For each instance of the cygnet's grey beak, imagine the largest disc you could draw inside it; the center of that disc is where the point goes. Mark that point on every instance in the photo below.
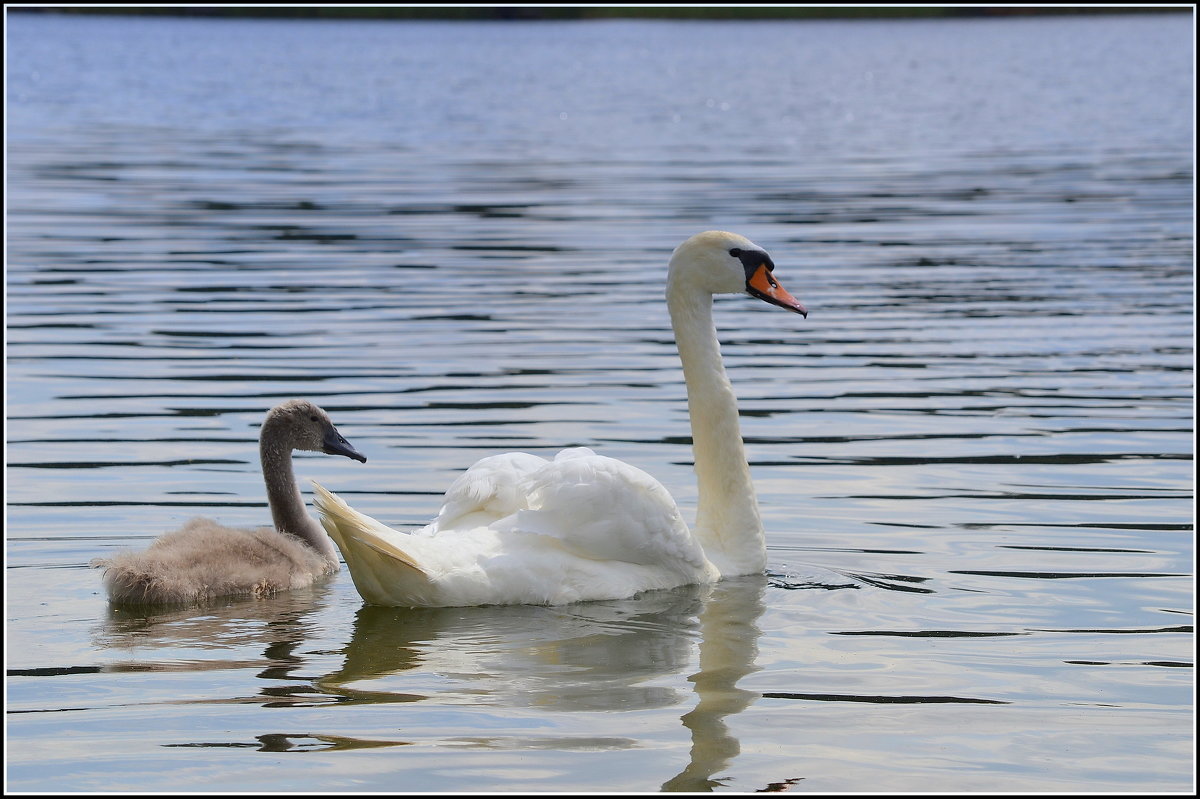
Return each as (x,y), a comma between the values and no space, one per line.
(334,444)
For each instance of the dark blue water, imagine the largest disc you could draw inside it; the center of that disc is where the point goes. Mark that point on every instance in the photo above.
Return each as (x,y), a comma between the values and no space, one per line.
(974,458)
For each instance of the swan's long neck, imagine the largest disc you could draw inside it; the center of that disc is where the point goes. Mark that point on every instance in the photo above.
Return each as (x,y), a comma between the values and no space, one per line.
(727,520)
(283,495)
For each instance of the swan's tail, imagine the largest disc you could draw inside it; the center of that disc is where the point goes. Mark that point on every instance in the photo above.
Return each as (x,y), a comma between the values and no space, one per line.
(384,572)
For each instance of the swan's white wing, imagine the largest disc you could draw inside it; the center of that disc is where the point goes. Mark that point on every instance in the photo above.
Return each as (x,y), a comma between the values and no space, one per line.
(490,487)
(601,509)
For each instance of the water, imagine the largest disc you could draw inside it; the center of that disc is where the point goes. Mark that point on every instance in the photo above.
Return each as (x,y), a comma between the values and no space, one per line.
(974,458)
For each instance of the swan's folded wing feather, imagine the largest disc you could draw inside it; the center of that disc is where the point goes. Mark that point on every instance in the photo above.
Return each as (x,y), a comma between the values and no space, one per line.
(491,487)
(603,509)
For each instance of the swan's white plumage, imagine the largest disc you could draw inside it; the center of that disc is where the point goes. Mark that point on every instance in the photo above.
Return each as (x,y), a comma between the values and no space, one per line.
(490,487)
(582,526)
(519,529)
(600,508)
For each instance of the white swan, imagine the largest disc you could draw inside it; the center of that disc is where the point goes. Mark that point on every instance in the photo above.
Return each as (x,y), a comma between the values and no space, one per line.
(204,559)
(517,529)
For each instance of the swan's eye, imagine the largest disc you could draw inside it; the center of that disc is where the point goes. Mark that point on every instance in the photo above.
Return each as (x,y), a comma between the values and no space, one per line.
(752,260)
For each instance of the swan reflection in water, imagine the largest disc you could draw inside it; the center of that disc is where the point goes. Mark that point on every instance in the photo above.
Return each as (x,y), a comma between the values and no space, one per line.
(598,656)
(617,656)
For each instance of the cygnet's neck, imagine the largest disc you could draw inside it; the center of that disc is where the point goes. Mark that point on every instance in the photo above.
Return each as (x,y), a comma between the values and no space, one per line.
(728,525)
(283,495)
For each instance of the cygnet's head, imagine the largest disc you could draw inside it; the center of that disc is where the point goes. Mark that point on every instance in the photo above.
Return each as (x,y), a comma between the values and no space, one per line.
(299,424)
(718,262)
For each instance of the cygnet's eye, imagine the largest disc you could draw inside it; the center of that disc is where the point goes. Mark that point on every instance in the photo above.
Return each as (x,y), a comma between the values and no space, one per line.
(312,418)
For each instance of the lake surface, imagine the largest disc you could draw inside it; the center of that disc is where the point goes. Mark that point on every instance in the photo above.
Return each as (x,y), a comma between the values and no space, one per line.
(974,458)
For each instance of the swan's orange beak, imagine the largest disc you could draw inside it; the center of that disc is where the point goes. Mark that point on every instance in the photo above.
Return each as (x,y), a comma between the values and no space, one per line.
(762,284)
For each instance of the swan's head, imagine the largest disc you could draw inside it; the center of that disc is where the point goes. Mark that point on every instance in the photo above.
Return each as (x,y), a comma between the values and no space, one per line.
(718,262)
(299,424)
